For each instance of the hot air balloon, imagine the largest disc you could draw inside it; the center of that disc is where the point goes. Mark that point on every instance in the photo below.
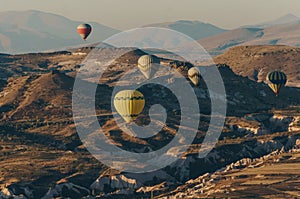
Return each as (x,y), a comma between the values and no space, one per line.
(276,80)
(194,75)
(84,30)
(129,104)
(148,65)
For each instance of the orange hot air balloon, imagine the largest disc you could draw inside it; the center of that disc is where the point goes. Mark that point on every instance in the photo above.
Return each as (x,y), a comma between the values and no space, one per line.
(84,30)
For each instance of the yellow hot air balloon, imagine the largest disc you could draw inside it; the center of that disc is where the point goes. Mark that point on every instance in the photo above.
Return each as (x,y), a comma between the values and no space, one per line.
(148,65)
(129,104)
(194,75)
(276,80)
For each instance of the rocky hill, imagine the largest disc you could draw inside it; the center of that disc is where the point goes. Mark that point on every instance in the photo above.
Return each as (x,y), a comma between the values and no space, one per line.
(255,62)
(43,157)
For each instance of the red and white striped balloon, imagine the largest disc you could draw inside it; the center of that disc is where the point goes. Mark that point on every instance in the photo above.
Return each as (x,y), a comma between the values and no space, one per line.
(84,30)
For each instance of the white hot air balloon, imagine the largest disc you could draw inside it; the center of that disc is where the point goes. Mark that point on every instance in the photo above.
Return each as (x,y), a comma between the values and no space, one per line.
(148,65)
(194,75)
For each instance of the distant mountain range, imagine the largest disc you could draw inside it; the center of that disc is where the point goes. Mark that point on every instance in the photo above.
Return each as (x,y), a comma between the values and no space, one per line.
(194,29)
(283,31)
(36,31)
(286,19)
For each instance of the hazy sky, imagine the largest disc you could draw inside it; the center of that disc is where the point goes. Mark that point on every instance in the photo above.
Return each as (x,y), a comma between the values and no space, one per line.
(126,14)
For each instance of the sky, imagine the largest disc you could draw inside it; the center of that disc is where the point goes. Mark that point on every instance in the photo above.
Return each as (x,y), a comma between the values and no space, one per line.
(127,14)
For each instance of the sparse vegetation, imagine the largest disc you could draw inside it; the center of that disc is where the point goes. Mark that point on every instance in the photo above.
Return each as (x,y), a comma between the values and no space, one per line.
(39,146)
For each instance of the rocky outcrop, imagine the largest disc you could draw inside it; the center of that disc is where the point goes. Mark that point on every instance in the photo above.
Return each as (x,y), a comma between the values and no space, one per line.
(279,123)
(262,124)
(66,189)
(295,124)
(8,194)
(206,184)
(120,181)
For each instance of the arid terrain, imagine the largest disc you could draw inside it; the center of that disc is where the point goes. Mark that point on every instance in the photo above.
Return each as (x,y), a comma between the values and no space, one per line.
(255,62)
(257,154)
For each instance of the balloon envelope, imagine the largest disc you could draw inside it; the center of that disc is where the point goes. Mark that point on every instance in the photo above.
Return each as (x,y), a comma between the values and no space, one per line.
(194,75)
(129,104)
(84,30)
(276,80)
(147,65)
